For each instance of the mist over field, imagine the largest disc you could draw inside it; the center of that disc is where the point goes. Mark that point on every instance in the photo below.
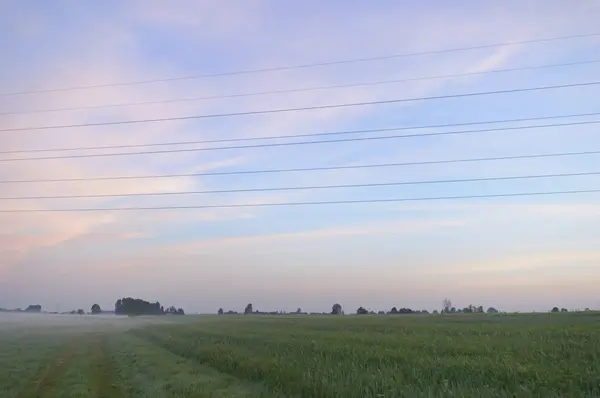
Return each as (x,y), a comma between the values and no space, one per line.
(49,323)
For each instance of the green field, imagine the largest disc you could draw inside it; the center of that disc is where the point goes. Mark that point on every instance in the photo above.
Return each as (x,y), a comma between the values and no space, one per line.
(546,355)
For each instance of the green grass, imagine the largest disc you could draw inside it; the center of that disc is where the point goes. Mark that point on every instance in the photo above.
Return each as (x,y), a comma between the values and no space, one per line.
(546,355)
(24,356)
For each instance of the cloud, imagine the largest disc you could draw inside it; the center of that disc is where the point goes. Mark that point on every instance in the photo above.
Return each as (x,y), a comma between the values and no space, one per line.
(528,262)
(550,210)
(270,240)
(148,40)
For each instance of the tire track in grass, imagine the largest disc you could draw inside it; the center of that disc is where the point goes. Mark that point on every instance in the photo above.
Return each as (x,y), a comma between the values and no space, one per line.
(188,377)
(104,377)
(49,375)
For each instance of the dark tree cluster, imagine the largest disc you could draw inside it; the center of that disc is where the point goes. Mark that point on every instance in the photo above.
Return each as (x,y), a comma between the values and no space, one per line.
(136,306)
(230,312)
(336,309)
(395,311)
(34,308)
(174,311)
(361,311)
(471,309)
(447,308)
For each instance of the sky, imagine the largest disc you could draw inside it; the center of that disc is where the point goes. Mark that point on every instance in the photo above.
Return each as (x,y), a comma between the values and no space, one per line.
(514,253)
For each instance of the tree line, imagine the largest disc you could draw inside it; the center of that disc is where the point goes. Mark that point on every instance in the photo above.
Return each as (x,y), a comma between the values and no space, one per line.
(336,309)
(135,306)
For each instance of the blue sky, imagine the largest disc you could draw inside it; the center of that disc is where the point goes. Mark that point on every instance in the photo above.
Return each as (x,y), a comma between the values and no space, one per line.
(513,253)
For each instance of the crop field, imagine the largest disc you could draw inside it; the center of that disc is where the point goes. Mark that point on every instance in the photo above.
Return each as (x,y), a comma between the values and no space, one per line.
(545,355)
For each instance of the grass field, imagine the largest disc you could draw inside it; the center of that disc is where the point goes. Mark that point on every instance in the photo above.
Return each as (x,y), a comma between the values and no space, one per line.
(546,355)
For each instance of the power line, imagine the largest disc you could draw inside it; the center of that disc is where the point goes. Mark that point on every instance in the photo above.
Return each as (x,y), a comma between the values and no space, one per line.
(301,188)
(281,204)
(305,169)
(303,66)
(307,108)
(419,127)
(284,144)
(296,90)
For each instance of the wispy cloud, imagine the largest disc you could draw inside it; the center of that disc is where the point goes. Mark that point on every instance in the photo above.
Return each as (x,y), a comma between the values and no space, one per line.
(322,234)
(148,40)
(528,262)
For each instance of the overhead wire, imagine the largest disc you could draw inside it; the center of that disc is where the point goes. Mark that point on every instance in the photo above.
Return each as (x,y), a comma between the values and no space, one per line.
(348,132)
(285,144)
(303,66)
(282,204)
(310,187)
(299,109)
(303,169)
(514,194)
(297,90)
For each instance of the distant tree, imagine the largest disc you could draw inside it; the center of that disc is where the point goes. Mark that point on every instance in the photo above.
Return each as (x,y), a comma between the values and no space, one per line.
(220,312)
(435,312)
(299,310)
(492,310)
(446,305)
(248,309)
(381,313)
(80,312)
(405,311)
(174,311)
(96,309)
(587,310)
(336,309)
(135,306)
(453,310)
(34,308)
(459,311)
(467,310)
(361,311)
(480,309)
(424,312)
(555,309)
(394,310)
(564,310)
